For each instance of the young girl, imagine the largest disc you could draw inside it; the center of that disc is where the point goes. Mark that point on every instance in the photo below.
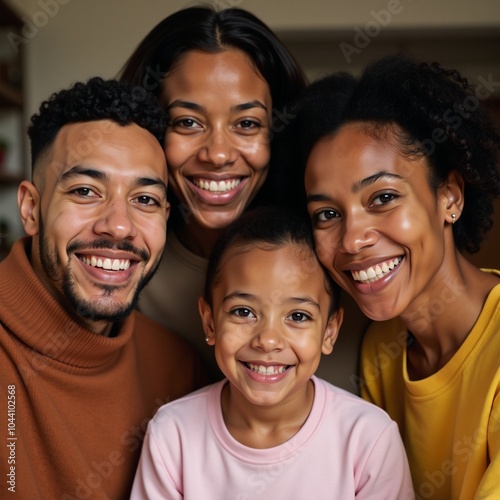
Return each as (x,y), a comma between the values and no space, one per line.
(271,429)
(400,178)
(227,83)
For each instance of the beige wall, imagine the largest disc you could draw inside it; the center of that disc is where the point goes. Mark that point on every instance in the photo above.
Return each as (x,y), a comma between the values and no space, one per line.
(77,39)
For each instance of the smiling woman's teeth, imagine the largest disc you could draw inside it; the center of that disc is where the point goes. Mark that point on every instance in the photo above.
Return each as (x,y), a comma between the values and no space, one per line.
(216,187)
(108,264)
(375,273)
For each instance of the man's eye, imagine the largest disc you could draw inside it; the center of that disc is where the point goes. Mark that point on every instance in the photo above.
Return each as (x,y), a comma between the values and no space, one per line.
(85,192)
(147,200)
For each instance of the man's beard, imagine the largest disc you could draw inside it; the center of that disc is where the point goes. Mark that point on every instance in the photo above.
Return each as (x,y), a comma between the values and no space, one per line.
(104,308)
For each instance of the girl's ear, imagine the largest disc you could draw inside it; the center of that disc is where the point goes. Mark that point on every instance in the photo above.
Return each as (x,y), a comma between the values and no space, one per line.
(28,200)
(332,331)
(453,196)
(207,320)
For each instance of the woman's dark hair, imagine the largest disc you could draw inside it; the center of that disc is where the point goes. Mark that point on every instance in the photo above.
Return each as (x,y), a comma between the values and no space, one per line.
(433,112)
(267,227)
(205,29)
(97,99)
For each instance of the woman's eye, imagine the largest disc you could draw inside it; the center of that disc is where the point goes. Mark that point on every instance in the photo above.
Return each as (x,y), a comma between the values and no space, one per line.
(325,215)
(242,312)
(383,199)
(299,317)
(186,123)
(248,124)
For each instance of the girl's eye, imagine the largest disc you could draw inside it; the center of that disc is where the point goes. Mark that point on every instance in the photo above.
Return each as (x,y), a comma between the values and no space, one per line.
(325,215)
(242,312)
(383,199)
(299,317)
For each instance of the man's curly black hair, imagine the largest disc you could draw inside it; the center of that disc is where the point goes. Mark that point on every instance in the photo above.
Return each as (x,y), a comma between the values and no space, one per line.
(97,99)
(438,114)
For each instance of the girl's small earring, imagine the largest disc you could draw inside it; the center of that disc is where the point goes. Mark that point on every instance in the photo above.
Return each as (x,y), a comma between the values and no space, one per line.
(453,218)
(207,339)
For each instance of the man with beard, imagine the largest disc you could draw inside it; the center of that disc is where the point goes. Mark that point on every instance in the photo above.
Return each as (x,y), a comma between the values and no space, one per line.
(81,372)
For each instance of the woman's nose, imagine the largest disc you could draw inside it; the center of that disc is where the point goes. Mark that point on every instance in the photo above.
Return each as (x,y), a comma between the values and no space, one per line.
(218,149)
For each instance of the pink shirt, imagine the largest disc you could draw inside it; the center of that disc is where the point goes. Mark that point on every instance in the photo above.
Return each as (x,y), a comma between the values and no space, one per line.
(347,448)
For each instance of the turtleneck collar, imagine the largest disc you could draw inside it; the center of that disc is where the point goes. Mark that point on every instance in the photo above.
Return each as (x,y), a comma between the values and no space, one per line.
(41,323)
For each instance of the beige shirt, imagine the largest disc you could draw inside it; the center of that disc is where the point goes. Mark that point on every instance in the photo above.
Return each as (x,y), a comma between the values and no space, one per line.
(171,298)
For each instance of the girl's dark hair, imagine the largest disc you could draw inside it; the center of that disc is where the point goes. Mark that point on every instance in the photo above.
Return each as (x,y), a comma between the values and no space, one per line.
(96,99)
(205,29)
(437,115)
(267,227)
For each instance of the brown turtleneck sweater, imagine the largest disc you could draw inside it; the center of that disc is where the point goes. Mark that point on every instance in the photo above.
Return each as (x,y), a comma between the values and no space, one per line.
(74,405)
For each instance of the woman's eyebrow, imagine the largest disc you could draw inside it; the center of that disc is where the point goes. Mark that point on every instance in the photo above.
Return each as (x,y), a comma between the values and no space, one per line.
(357,186)
(317,197)
(249,105)
(179,103)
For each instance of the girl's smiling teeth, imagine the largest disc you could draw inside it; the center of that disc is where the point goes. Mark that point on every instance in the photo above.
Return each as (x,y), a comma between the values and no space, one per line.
(376,272)
(216,187)
(105,263)
(267,370)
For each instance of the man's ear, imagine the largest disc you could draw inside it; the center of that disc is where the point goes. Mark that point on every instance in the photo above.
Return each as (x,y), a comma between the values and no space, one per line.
(332,331)
(28,200)
(452,194)
(207,320)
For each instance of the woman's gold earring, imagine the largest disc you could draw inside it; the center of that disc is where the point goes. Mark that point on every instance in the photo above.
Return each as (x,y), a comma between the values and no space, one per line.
(453,218)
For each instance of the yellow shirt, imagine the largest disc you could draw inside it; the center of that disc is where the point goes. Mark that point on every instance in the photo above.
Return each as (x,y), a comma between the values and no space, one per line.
(450,421)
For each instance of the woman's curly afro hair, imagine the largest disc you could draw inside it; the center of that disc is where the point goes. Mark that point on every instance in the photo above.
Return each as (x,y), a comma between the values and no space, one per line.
(438,115)
(97,99)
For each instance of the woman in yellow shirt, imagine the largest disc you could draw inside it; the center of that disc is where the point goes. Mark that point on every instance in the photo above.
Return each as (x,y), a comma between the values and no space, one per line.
(400,178)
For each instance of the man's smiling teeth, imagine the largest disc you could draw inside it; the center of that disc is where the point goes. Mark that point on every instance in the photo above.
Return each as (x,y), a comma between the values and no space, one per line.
(216,187)
(108,264)
(375,273)
(267,370)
